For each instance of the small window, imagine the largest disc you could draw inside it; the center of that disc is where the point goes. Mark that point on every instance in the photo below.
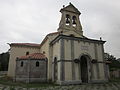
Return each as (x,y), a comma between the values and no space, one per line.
(55,60)
(21,64)
(37,64)
(43,52)
(27,53)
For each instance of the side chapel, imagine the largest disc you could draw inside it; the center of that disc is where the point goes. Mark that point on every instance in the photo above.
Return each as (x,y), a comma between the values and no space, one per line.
(63,57)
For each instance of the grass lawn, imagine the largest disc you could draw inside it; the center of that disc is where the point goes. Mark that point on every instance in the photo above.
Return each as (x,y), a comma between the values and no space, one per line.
(9,82)
(6,81)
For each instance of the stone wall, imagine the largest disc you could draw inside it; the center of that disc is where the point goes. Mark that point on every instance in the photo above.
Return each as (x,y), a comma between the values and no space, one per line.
(115,74)
(17,51)
(2,73)
(29,72)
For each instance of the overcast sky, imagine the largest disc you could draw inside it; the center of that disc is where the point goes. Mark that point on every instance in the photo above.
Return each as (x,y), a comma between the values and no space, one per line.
(28,21)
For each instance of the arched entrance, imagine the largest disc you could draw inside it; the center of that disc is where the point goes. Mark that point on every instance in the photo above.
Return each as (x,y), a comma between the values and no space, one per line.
(84,69)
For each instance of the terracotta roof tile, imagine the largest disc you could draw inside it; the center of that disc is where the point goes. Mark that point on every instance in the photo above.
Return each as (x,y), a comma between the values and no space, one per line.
(33,56)
(33,44)
(26,44)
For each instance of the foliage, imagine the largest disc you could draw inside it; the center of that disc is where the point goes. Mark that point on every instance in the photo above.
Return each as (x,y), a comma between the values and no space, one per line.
(12,88)
(115,64)
(4,59)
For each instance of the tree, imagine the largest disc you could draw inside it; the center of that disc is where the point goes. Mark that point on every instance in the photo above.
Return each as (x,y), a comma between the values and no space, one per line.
(4,59)
(115,64)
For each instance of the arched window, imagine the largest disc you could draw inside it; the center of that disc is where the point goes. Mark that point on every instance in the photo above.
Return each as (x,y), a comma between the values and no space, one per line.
(55,60)
(37,64)
(21,64)
(43,52)
(67,19)
(74,21)
(27,53)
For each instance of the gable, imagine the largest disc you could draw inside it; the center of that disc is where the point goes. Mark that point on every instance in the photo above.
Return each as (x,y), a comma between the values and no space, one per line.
(71,32)
(70,8)
(48,36)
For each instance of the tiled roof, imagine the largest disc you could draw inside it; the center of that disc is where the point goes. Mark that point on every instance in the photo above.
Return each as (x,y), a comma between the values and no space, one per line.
(25,44)
(34,44)
(33,56)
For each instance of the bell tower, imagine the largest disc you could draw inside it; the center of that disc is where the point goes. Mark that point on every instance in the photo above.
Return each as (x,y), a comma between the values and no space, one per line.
(70,20)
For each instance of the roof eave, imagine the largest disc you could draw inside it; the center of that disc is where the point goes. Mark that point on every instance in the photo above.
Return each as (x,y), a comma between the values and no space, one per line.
(75,38)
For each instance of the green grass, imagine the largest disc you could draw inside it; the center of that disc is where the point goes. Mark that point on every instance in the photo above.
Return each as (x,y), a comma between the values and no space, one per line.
(115,80)
(9,82)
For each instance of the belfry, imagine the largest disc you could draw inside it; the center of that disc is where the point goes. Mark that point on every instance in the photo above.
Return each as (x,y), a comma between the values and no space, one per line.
(70,20)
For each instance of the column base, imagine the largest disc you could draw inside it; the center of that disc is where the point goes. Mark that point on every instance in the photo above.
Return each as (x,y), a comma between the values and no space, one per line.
(98,81)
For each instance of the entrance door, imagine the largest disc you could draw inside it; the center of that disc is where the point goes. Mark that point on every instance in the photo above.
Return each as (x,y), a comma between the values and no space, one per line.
(84,69)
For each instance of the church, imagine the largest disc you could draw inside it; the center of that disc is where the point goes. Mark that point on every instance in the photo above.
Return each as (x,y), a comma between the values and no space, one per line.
(63,57)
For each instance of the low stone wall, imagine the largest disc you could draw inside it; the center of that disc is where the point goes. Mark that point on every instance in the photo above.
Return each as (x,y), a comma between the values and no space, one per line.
(30,80)
(115,74)
(3,73)
(29,72)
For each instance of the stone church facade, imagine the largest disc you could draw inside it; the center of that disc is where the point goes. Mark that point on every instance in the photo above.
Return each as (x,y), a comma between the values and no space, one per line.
(69,56)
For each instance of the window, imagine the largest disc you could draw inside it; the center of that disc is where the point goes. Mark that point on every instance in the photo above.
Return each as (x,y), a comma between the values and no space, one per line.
(27,53)
(21,64)
(37,64)
(55,60)
(43,52)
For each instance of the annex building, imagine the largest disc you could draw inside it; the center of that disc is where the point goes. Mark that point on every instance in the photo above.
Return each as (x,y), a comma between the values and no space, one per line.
(63,57)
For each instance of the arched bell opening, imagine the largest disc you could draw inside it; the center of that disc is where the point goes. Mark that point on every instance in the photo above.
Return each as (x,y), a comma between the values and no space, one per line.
(74,24)
(67,19)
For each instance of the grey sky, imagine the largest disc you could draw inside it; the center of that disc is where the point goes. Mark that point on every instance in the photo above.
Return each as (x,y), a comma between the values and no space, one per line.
(30,20)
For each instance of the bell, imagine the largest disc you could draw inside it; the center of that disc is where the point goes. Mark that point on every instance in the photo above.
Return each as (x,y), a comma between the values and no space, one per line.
(74,22)
(67,20)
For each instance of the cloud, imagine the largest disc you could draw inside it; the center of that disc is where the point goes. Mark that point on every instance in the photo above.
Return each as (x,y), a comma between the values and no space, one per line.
(31,20)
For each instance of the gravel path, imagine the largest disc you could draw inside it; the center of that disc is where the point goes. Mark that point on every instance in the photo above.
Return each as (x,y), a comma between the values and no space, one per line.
(109,86)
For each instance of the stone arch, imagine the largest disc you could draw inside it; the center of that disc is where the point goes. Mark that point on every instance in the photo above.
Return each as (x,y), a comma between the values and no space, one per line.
(37,63)
(22,63)
(85,67)
(85,54)
(67,19)
(74,21)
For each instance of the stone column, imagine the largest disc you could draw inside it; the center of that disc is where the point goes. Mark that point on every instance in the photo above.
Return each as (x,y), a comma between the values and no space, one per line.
(97,64)
(72,58)
(62,68)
